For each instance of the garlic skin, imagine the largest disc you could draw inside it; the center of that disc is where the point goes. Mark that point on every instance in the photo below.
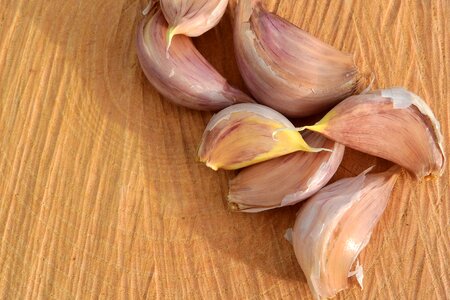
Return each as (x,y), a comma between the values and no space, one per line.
(286,68)
(192,17)
(285,180)
(181,73)
(246,134)
(335,225)
(394,124)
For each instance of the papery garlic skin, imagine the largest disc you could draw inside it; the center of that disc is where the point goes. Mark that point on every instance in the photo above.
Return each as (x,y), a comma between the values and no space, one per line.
(335,225)
(286,68)
(192,17)
(285,180)
(246,134)
(394,124)
(182,74)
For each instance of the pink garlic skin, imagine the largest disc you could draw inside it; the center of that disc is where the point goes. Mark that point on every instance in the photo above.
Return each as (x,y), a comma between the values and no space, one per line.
(181,73)
(286,180)
(192,17)
(335,225)
(286,68)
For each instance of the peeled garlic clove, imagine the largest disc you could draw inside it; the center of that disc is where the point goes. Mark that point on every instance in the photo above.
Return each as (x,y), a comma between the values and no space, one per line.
(285,180)
(182,74)
(286,68)
(393,124)
(245,134)
(335,225)
(192,17)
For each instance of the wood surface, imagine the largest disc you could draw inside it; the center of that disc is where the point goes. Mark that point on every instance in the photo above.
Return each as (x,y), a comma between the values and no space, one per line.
(100,192)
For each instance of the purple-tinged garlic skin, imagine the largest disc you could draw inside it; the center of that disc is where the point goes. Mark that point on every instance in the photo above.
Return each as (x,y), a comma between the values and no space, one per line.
(285,180)
(181,73)
(335,225)
(286,68)
(192,17)
(394,124)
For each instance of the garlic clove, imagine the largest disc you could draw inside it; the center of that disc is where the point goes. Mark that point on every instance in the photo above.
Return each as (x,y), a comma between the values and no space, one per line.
(192,17)
(335,225)
(182,74)
(285,180)
(394,124)
(245,134)
(286,68)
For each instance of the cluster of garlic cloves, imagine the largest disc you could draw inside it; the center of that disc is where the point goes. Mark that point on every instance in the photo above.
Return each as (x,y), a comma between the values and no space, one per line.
(245,134)
(285,180)
(394,124)
(286,68)
(335,225)
(292,74)
(181,73)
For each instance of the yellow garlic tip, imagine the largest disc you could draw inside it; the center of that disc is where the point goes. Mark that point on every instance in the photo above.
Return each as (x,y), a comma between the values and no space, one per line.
(171,32)
(322,124)
(212,166)
(290,141)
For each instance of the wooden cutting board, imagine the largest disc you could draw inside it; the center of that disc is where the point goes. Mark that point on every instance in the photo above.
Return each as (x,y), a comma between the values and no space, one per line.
(100,192)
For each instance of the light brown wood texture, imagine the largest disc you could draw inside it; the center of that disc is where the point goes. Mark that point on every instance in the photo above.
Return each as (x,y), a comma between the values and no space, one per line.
(100,192)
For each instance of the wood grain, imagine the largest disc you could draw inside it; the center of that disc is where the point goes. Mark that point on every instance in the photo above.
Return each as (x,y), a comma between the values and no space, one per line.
(100,193)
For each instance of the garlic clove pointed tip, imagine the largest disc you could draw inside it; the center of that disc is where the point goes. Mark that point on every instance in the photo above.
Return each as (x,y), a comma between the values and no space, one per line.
(288,235)
(233,206)
(212,166)
(171,32)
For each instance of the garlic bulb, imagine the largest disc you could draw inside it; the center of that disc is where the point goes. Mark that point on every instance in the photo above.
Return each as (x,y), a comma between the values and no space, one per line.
(393,124)
(246,134)
(285,180)
(182,74)
(286,68)
(192,17)
(335,225)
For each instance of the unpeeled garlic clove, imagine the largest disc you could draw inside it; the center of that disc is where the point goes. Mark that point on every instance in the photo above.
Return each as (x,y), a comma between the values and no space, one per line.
(393,124)
(182,74)
(285,180)
(245,134)
(335,225)
(286,68)
(192,17)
